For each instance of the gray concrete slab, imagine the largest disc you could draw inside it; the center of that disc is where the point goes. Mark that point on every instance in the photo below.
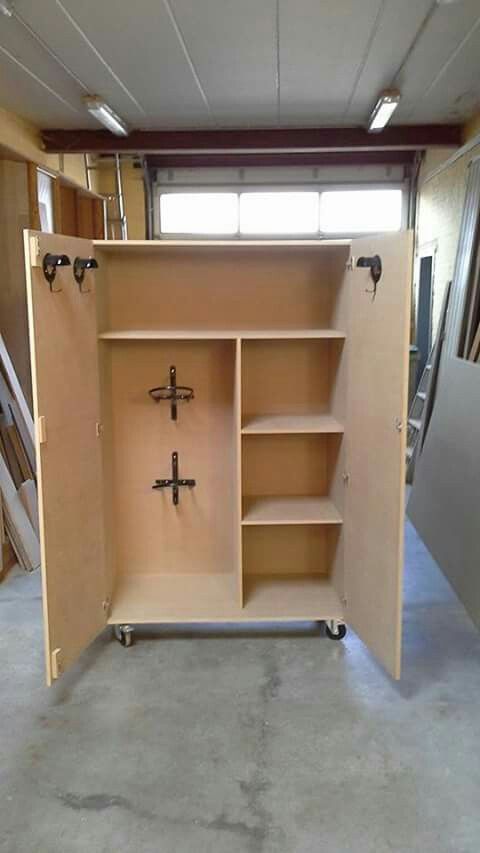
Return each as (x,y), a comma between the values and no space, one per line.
(246,741)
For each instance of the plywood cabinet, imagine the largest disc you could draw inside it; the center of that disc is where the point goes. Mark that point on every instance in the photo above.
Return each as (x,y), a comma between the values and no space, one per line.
(294,437)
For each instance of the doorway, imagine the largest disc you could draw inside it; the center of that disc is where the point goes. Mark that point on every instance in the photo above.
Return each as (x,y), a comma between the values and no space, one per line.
(424,313)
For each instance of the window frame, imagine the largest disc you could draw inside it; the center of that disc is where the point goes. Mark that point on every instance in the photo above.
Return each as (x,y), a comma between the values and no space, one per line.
(310,186)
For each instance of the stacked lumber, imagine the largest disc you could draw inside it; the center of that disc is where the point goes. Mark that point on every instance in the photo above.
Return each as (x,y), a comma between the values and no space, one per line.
(18,491)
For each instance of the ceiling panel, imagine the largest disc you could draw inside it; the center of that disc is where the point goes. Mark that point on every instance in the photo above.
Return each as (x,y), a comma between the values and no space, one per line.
(455,93)
(139,43)
(448,27)
(33,66)
(57,31)
(397,27)
(21,94)
(322,47)
(233,48)
(140,46)
(225,63)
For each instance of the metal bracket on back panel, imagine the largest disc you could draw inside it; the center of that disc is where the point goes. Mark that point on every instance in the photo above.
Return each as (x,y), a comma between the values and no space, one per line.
(172,392)
(174,482)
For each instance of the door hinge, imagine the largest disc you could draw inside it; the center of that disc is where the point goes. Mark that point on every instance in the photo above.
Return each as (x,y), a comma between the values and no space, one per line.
(106,605)
(34,251)
(57,668)
(42,429)
(398,424)
(350,264)
(98,429)
(346,478)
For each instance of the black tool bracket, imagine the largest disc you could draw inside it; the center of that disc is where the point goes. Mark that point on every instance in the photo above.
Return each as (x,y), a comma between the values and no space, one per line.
(49,266)
(80,265)
(174,482)
(172,392)
(375,264)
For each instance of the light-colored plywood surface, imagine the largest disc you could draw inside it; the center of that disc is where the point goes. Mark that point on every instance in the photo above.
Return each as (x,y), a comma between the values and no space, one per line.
(375,433)
(290,510)
(212,598)
(237,514)
(215,288)
(289,377)
(291,597)
(285,465)
(295,549)
(132,247)
(152,535)
(220,334)
(286,424)
(66,396)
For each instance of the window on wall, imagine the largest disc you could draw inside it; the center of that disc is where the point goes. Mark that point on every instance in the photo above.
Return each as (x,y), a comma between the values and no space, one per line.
(281,213)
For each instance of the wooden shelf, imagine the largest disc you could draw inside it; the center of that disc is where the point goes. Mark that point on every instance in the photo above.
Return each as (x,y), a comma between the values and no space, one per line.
(290,510)
(301,596)
(127,246)
(285,424)
(175,598)
(220,334)
(147,598)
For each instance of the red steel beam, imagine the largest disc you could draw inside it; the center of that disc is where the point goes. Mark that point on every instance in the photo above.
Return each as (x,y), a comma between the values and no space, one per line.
(308,158)
(281,139)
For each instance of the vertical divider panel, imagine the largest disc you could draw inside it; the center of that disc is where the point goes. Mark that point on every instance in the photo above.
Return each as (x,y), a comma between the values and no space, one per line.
(238,469)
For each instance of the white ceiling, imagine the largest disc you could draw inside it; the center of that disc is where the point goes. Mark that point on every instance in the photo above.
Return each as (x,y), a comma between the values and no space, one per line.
(239,63)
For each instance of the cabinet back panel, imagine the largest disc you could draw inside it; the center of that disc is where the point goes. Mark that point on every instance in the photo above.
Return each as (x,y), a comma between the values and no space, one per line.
(231,288)
(152,535)
(287,465)
(289,549)
(288,377)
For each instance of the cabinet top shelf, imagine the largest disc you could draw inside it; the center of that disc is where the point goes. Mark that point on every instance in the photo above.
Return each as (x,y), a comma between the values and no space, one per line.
(136,245)
(219,334)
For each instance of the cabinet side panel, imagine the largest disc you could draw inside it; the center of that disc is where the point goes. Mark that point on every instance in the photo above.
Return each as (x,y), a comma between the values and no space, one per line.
(377,337)
(63,336)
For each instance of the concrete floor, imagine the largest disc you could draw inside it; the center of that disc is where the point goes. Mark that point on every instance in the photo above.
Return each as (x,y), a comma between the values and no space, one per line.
(247,742)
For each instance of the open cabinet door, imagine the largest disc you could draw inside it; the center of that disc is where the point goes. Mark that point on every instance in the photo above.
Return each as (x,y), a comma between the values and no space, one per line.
(377,341)
(63,340)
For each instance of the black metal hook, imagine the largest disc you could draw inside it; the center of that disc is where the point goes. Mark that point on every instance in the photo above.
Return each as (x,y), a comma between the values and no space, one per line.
(172,392)
(79,267)
(375,264)
(50,264)
(174,482)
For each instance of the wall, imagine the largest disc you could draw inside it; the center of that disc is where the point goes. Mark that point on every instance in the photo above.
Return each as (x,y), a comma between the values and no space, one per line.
(439,213)
(14,217)
(23,140)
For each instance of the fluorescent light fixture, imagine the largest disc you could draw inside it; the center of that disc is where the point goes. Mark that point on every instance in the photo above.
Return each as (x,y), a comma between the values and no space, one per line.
(383,110)
(105,115)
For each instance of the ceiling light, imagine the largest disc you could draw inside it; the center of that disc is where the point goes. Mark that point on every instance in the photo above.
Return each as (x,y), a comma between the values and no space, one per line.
(105,115)
(383,110)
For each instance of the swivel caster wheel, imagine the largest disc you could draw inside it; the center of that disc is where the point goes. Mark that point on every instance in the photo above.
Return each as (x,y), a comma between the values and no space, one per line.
(335,630)
(124,634)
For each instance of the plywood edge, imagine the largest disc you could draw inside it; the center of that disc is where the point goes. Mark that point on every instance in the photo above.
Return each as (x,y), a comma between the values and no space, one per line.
(27,236)
(287,424)
(128,245)
(289,510)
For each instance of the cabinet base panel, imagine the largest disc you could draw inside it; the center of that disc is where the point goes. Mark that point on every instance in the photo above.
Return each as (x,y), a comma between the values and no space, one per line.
(143,598)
